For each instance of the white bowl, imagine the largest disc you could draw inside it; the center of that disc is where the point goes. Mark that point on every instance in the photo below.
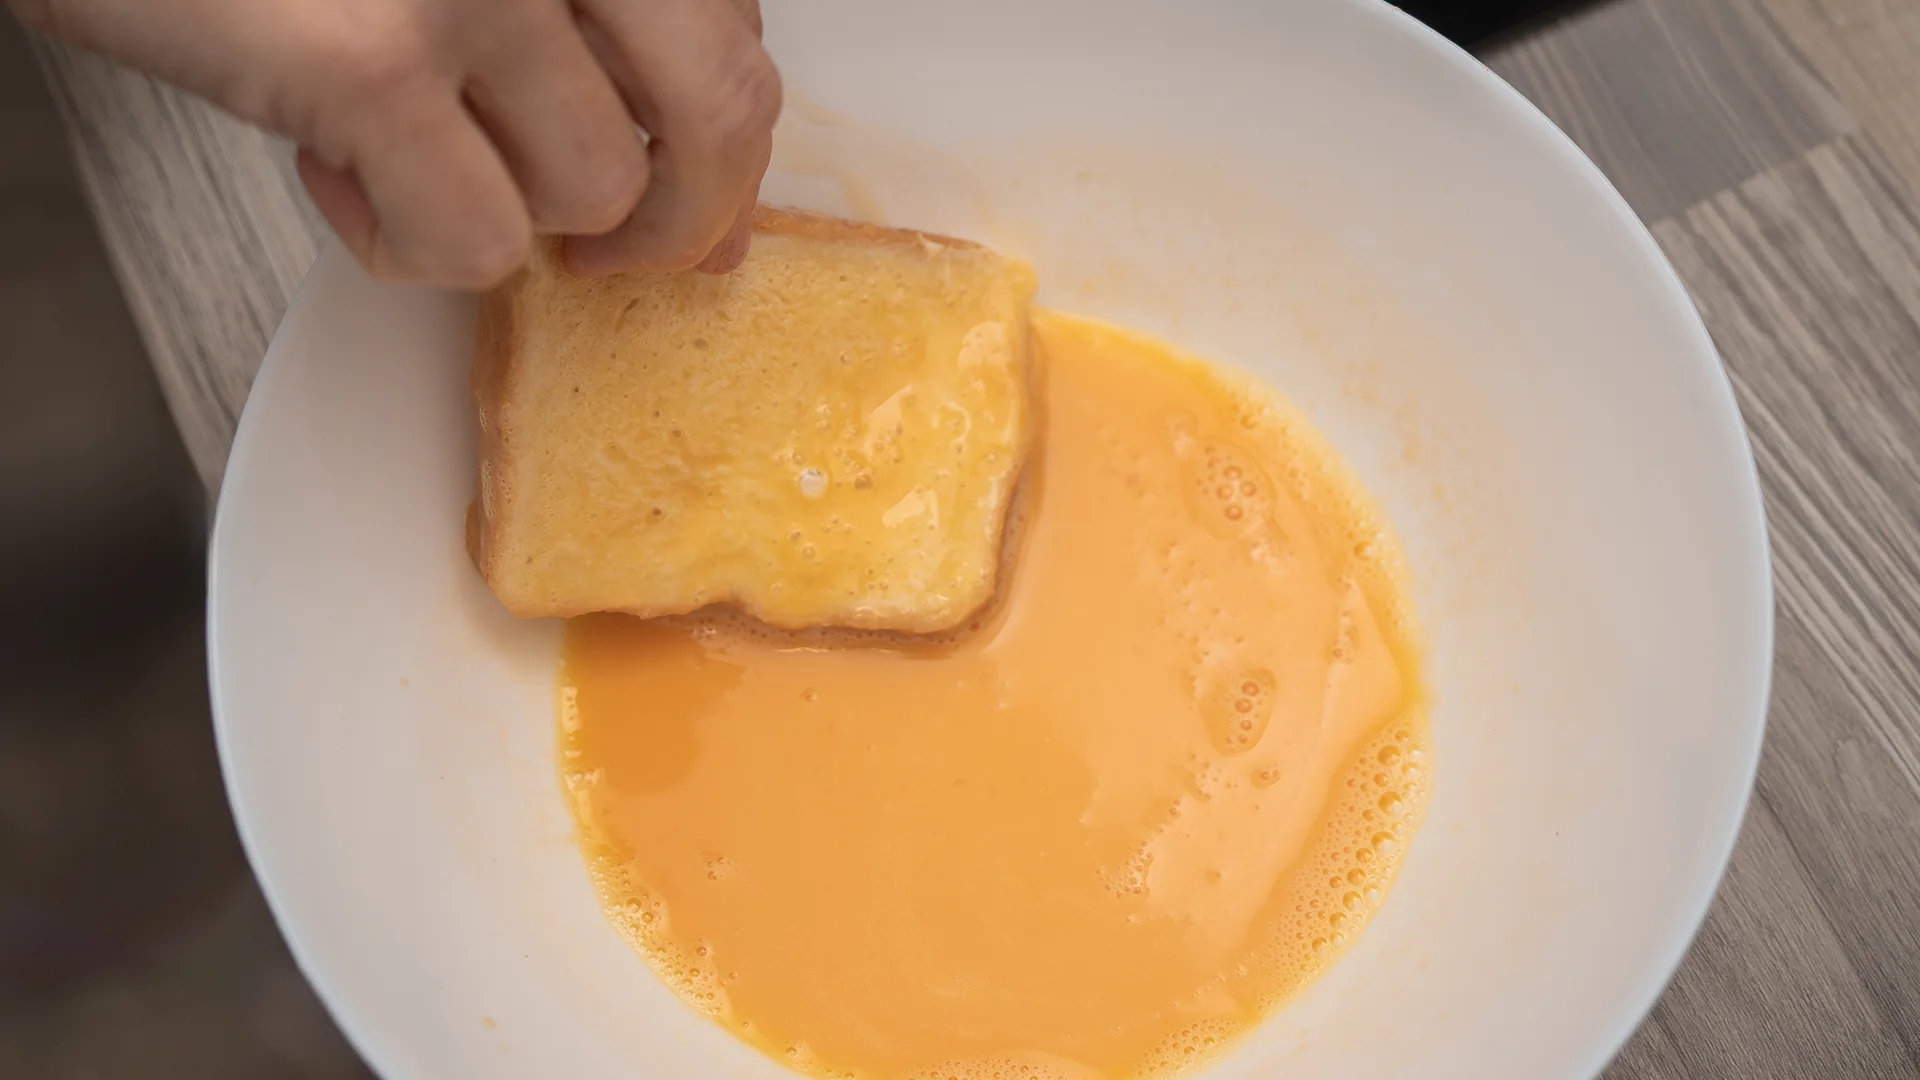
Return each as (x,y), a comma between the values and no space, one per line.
(1321,192)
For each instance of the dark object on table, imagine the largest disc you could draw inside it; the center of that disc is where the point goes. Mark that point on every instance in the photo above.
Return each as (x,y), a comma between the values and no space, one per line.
(1476,24)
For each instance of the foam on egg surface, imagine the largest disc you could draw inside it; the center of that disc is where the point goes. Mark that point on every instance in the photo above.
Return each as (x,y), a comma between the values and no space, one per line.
(1156,788)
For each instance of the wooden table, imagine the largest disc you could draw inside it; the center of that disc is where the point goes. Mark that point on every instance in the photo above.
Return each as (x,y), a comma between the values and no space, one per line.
(1773,145)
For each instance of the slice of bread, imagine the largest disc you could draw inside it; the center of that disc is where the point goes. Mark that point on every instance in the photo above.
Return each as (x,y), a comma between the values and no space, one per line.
(828,436)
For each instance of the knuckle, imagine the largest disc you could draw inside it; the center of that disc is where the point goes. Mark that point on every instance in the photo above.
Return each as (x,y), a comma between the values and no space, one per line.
(370,85)
(493,258)
(477,258)
(503,30)
(750,11)
(607,196)
(367,66)
(742,112)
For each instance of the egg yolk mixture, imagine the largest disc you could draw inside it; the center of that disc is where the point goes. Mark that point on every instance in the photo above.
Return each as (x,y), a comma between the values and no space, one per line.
(1152,791)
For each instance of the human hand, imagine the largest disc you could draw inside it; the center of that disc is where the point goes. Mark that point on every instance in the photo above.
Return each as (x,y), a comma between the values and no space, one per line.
(438,136)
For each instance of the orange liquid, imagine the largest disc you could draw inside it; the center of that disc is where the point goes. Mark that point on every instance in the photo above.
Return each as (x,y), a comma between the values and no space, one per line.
(1163,783)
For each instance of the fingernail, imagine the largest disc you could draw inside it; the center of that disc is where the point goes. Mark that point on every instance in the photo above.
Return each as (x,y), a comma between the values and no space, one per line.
(597,256)
(730,252)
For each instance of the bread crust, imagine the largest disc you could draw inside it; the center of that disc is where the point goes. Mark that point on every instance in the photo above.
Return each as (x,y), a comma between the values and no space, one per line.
(510,316)
(785,221)
(499,338)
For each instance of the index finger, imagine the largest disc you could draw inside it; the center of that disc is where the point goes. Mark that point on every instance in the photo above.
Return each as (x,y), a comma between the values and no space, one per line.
(708,95)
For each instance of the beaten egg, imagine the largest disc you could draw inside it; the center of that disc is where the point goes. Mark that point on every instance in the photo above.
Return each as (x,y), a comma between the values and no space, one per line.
(1150,792)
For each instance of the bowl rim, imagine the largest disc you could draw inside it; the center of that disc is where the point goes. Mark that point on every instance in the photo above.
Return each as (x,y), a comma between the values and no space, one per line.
(1726,422)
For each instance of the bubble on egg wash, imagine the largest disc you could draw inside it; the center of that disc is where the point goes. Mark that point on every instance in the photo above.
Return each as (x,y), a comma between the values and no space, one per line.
(1322,900)
(1236,705)
(1013,1067)
(1341,881)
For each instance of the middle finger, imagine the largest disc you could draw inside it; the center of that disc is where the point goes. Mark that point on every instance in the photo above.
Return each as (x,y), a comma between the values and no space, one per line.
(555,115)
(714,94)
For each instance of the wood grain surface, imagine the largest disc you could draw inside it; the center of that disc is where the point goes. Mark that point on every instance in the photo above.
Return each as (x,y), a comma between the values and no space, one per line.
(207,228)
(1774,148)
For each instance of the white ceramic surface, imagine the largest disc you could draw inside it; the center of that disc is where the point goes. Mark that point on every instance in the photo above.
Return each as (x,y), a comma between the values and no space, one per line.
(1321,192)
